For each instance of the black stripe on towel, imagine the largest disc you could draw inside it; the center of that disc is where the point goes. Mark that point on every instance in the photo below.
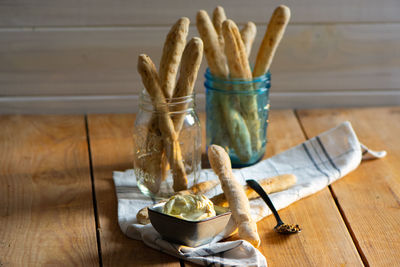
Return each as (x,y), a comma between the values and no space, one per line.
(328,157)
(221,255)
(313,161)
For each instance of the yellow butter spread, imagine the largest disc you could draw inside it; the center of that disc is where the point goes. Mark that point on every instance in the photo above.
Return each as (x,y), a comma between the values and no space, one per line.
(189,207)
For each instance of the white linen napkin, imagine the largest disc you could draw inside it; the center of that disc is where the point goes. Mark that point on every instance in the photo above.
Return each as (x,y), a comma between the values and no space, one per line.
(317,163)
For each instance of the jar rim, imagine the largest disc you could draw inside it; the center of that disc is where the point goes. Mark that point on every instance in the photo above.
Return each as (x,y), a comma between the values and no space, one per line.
(238,92)
(224,83)
(147,104)
(210,79)
(173,100)
(262,78)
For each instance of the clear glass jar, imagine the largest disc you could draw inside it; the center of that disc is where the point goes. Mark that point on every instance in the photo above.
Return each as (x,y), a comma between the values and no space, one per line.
(164,165)
(237,116)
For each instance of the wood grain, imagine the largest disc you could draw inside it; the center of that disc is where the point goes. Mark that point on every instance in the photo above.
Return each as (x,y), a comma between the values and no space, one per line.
(323,227)
(101,12)
(310,58)
(47,214)
(369,196)
(46,210)
(111,144)
(129,103)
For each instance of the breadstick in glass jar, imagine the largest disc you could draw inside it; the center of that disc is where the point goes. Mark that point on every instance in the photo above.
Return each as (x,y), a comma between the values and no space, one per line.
(150,80)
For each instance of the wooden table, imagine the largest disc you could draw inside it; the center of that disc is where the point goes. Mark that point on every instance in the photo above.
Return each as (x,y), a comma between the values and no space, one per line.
(58,206)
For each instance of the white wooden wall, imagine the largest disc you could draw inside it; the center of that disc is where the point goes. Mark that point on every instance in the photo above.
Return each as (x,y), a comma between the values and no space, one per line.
(79,56)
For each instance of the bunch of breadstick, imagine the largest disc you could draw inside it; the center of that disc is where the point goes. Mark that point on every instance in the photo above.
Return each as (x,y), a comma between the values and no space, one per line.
(227,50)
(163,130)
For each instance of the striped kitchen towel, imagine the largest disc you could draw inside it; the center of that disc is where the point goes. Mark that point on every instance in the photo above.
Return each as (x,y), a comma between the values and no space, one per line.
(317,163)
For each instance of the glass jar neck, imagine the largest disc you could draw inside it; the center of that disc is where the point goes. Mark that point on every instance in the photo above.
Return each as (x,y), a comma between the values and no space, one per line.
(174,105)
(236,85)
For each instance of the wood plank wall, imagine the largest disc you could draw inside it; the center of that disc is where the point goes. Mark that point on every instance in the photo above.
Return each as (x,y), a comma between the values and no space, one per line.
(80,56)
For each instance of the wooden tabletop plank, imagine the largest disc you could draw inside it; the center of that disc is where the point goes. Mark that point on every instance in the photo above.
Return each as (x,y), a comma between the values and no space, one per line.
(324,240)
(111,146)
(370,196)
(46,210)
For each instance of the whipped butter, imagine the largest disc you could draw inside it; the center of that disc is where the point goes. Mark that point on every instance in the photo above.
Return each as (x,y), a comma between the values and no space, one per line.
(189,207)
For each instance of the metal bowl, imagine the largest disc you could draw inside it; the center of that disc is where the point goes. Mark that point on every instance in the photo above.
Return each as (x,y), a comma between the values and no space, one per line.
(189,233)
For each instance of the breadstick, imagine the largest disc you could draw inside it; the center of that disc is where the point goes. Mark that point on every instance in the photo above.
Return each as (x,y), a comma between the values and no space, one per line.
(171,56)
(273,36)
(237,129)
(217,19)
(238,202)
(239,68)
(212,49)
(235,51)
(150,80)
(248,34)
(143,216)
(191,61)
(270,185)
(204,187)
(164,166)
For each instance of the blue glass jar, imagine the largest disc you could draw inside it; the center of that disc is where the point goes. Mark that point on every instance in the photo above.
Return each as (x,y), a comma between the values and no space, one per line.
(237,116)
